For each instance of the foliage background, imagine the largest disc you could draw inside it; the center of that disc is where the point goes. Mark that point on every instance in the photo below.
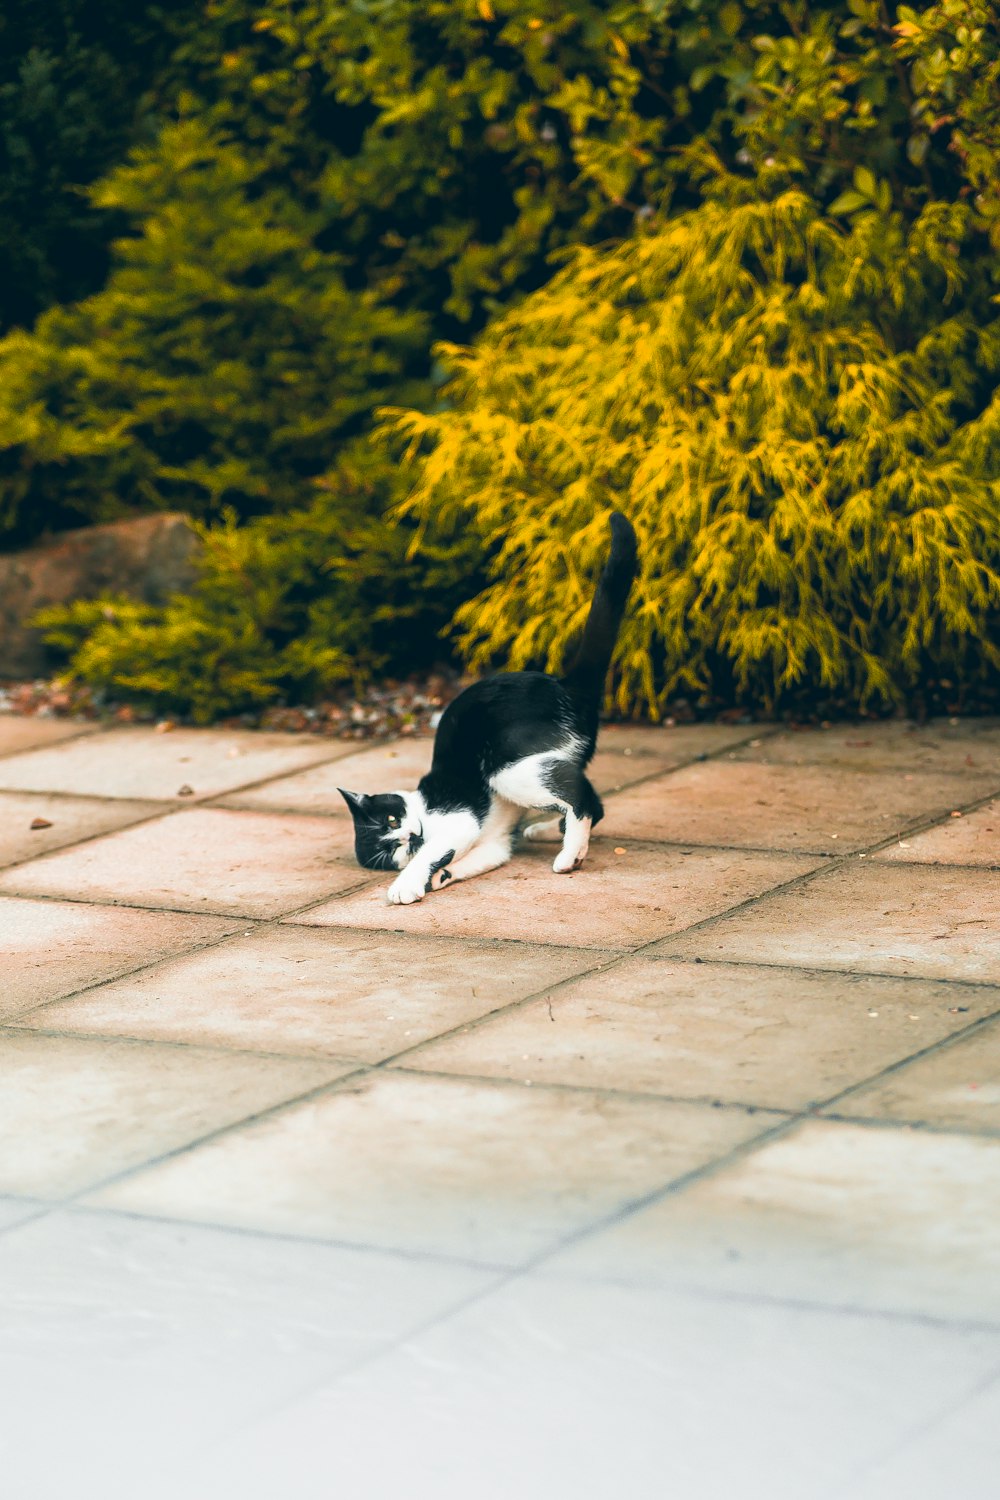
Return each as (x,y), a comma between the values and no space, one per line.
(732,267)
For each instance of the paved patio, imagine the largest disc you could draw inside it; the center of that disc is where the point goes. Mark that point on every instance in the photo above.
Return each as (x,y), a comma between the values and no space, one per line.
(676,1177)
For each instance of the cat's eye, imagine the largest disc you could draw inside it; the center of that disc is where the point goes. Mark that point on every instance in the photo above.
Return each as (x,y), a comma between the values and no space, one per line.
(393,822)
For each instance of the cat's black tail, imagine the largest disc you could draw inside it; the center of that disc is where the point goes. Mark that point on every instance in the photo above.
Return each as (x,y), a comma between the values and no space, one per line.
(585,677)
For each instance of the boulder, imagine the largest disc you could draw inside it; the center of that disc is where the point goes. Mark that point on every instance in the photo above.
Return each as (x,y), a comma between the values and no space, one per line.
(149,557)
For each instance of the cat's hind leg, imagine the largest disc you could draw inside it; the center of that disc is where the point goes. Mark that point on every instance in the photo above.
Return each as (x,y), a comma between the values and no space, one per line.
(549,830)
(581,808)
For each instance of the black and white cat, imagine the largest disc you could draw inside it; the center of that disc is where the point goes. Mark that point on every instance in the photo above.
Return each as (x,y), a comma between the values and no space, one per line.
(514,741)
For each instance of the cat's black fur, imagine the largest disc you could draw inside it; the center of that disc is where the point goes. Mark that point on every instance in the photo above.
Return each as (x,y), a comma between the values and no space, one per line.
(494,725)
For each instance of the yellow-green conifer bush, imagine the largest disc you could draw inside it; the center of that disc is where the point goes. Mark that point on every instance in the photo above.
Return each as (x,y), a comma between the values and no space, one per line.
(811,510)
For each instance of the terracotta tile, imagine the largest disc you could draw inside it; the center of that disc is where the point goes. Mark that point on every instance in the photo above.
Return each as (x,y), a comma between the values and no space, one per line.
(676,743)
(297,989)
(956,1086)
(205,859)
(615,901)
(625,753)
(51,948)
(139,762)
(942,745)
(148,1342)
(843,1215)
(891,919)
(384,768)
(973,839)
(70,818)
(745,804)
(778,1038)
(23,732)
(402,1161)
(73,1111)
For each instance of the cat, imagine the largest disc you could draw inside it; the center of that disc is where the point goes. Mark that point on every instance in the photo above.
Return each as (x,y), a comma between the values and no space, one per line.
(515,741)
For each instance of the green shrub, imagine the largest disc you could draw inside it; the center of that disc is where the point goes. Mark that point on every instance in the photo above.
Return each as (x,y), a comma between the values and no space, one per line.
(286,607)
(814,513)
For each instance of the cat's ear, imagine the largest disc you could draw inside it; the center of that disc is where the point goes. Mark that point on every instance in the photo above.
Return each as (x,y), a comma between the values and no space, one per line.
(355,800)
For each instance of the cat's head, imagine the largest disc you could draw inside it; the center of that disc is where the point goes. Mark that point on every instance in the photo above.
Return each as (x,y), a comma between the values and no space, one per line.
(387,828)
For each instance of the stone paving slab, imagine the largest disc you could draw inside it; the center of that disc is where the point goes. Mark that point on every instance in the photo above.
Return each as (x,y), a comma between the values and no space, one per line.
(150,1340)
(959,746)
(956,1455)
(440,1165)
(298,989)
(73,1111)
(749,1153)
(203,859)
(139,762)
(956,1087)
(615,901)
(811,808)
(382,768)
(561,1388)
(892,919)
(831,1214)
(973,839)
(778,1039)
(51,948)
(626,753)
(19,732)
(69,820)
(15,1211)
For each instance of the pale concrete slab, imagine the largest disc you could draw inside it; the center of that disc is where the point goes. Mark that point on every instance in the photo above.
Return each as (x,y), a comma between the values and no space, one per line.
(51,948)
(781,1039)
(146,1342)
(959,1454)
(934,922)
(615,901)
(832,1213)
(297,989)
(973,839)
(957,1087)
(70,819)
(552,1389)
(748,804)
(136,761)
(956,745)
(483,1171)
(15,1211)
(21,732)
(384,768)
(203,859)
(75,1111)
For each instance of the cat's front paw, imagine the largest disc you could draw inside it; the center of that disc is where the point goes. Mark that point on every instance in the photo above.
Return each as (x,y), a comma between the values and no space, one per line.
(404,891)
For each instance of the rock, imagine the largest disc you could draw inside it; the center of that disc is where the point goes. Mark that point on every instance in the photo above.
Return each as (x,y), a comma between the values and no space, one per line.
(149,557)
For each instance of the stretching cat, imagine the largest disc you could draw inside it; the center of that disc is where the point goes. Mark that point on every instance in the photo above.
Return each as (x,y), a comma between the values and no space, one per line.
(514,741)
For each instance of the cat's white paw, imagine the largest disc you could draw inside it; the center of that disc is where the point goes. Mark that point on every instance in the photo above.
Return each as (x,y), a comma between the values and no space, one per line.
(404,892)
(565,864)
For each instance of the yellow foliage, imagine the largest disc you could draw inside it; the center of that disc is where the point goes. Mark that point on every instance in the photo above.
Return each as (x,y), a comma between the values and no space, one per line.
(811,517)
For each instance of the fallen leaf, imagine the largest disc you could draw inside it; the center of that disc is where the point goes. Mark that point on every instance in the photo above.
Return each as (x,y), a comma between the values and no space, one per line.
(40,823)
(185,791)
(621,851)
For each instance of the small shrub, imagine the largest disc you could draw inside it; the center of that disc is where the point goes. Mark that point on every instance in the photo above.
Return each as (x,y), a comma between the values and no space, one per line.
(286,607)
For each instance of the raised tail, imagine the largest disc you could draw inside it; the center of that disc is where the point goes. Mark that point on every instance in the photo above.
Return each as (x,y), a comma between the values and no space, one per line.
(585,677)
